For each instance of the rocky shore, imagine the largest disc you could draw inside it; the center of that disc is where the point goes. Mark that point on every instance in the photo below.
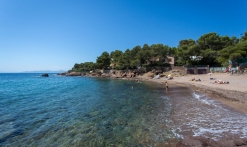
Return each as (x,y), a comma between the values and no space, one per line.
(126,73)
(110,73)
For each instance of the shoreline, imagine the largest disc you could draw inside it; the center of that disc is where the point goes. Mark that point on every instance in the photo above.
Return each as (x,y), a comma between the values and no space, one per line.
(233,94)
(224,93)
(233,100)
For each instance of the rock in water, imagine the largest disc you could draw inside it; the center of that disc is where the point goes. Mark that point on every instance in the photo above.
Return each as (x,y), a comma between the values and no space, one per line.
(62,74)
(45,75)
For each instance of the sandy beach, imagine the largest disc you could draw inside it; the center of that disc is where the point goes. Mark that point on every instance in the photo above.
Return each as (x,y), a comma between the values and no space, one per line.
(233,94)
(218,116)
(236,83)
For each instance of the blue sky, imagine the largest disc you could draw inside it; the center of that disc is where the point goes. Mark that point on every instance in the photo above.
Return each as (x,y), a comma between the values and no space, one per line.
(56,34)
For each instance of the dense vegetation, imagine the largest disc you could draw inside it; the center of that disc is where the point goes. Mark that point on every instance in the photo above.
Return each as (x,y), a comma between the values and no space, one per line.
(209,49)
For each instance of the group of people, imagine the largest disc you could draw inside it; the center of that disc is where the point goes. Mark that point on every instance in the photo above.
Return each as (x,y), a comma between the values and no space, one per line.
(220,82)
(215,82)
(196,80)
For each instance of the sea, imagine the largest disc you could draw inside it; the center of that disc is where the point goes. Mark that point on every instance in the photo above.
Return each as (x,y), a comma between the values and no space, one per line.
(85,111)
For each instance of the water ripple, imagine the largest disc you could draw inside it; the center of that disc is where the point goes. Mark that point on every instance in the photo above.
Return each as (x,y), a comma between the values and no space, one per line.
(81,111)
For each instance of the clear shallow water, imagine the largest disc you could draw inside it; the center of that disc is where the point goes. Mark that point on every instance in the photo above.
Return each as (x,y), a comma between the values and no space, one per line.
(81,111)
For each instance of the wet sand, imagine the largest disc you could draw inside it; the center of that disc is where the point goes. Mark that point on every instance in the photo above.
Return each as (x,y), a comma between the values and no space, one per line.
(196,114)
(233,94)
(216,111)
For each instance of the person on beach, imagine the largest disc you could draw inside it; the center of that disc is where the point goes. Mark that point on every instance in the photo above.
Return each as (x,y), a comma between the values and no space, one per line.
(198,80)
(166,86)
(221,82)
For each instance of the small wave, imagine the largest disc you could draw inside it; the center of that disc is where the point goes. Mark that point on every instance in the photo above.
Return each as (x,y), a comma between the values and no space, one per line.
(197,96)
(164,97)
(177,135)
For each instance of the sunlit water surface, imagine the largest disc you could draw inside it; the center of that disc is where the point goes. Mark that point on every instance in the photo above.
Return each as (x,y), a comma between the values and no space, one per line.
(83,111)
(72,111)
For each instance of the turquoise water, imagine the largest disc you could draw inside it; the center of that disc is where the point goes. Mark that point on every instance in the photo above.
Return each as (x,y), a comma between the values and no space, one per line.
(81,111)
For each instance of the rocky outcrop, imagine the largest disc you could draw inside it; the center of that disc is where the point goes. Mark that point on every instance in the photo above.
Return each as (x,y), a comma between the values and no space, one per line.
(116,74)
(113,74)
(158,72)
(199,141)
(124,74)
(62,74)
(175,73)
(45,75)
(74,74)
(105,75)
(153,73)
(150,74)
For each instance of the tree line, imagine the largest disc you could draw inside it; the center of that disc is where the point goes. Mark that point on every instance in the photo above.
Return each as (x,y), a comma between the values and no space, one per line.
(209,49)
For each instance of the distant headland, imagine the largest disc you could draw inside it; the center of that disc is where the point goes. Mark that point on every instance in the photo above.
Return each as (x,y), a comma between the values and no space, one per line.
(44,71)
